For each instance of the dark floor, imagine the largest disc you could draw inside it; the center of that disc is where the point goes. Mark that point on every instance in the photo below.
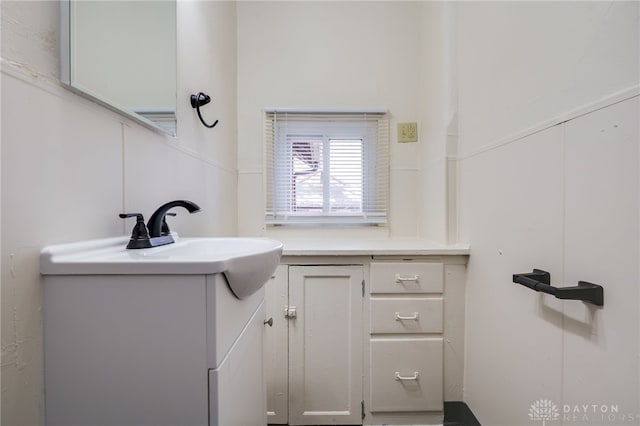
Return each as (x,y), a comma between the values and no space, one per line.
(457,413)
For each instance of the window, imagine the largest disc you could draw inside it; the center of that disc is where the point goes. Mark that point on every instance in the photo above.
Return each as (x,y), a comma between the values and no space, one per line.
(326,167)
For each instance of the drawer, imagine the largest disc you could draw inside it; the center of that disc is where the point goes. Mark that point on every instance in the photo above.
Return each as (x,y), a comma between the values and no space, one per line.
(407,277)
(406,375)
(406,315)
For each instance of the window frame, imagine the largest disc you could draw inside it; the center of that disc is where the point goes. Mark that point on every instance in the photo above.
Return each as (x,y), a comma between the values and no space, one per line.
(279,149)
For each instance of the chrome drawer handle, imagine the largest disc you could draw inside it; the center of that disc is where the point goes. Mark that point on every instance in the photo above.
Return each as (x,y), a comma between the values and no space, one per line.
(401,280)
(413,317)
(414,377)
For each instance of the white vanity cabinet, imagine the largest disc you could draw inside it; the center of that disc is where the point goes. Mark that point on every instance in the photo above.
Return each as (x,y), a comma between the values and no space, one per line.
(377,337)
(163,336)
(161,350)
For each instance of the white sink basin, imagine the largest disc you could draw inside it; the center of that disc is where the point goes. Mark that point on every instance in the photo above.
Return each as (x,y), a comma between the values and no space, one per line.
(247,263)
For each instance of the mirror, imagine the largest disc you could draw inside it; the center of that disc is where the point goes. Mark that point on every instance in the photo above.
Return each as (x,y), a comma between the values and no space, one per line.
(122,54)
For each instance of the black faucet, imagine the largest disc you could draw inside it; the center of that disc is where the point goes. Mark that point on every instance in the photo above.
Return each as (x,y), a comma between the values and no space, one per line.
(156,232)
(157,223)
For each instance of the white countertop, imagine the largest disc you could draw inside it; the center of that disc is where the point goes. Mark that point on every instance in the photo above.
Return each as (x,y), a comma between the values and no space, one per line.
(370,247)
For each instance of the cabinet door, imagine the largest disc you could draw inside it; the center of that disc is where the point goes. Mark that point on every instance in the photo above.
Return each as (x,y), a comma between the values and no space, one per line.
(276,350)
(235,387)
(325,345)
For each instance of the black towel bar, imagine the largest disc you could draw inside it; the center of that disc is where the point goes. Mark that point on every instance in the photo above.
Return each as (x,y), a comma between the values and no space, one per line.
(540,280)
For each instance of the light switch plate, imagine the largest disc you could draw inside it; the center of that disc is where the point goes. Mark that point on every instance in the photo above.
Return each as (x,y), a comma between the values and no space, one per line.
(407,132)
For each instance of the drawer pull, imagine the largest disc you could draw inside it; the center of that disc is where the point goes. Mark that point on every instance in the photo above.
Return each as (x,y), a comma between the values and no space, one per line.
(401,280)
(413,317)
(414,377)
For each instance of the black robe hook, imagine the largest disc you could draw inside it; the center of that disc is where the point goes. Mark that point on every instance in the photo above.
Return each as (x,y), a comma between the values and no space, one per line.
(196,102)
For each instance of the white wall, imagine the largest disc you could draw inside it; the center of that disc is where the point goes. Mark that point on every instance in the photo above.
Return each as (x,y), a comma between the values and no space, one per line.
(1,257)
(438,116)
(70,166)
(549,179)
(523,63)
(329,54)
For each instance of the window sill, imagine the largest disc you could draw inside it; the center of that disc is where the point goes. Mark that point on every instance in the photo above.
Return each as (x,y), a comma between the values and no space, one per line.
(324,221)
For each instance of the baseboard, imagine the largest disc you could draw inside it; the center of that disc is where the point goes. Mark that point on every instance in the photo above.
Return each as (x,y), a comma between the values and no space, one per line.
(456,413)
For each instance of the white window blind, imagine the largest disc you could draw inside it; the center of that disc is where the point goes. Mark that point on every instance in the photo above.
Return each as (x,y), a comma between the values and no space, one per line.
(326,167)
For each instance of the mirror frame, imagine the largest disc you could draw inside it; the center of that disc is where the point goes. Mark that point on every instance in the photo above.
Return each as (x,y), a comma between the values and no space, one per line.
(65,76)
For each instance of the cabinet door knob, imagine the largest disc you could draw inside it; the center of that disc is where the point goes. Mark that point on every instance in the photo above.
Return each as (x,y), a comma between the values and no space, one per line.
(414,377)
(413,317)
(269,322)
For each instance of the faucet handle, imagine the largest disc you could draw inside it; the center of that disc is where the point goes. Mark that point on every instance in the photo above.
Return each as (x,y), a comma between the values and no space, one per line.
(139,231)
(126,215)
